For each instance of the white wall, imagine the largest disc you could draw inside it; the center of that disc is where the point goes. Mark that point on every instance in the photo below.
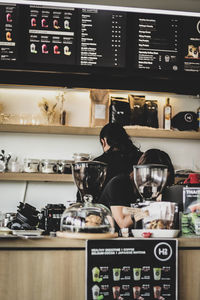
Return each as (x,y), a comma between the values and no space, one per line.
(184,153)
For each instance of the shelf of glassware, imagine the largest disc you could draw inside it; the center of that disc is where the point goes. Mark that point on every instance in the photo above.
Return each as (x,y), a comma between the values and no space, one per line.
(13,176)
(135,131)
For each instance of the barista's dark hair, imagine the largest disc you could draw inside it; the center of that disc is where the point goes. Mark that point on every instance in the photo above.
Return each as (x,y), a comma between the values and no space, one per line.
(156,156)
(118,139)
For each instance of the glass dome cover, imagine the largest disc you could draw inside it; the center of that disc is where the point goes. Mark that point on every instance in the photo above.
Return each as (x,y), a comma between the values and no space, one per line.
(87,217)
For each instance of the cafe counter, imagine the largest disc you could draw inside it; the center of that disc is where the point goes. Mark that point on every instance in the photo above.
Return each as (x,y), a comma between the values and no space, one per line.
(54,268)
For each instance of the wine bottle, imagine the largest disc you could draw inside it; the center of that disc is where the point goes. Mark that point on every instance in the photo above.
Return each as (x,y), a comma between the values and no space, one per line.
(167,115)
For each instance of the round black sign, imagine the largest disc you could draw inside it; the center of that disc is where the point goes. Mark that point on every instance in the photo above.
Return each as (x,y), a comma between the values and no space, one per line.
(163,251)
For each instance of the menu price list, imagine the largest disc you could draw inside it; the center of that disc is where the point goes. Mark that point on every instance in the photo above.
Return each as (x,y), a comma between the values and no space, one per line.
(157,42)
(8,32)
(103,38)
(51,35)
(191,45)
(138,269)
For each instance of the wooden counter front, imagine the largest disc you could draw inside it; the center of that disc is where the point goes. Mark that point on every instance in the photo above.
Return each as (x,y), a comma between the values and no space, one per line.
(54,269)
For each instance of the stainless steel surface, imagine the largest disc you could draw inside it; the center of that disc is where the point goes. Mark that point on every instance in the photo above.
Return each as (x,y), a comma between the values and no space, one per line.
(150,179)
(89,177)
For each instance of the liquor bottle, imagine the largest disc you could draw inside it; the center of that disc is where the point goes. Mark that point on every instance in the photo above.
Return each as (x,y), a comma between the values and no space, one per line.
(167,115)
(198,119)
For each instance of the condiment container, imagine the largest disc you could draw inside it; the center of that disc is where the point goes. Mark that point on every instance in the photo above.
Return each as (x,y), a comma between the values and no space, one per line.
(2,166)
(65,166)
(81,157)
(31,165)
(14,166)
(48,166)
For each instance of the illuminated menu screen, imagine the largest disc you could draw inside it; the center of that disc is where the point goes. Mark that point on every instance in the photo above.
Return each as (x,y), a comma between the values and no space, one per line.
(51,35)
(8,33)
(191,44)
(157,42)
(103,38)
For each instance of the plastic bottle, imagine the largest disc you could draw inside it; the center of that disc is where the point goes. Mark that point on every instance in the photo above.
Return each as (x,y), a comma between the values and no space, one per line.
(198,119)
(167,115)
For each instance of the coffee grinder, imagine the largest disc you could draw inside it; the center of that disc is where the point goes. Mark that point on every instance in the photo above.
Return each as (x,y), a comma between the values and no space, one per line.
(87,217)
(150,180)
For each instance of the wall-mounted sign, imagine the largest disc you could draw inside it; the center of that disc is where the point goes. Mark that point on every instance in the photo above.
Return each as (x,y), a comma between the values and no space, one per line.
(157,42)
(8,33)
(117,47)
(50,35)
(191,44)
(131,269)
(102,38)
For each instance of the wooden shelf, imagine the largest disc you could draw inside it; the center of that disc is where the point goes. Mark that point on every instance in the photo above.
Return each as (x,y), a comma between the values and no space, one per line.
(69,130)
(11,176)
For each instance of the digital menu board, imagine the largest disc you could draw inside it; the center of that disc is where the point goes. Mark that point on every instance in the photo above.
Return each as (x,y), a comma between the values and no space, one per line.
(157,42)
(51,35)
(74,36)
(103,38)
(92,39)
(8,33)
(124,269)
(191,44)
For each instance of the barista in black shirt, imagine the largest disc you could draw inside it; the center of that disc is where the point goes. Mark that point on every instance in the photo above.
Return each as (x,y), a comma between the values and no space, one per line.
(120,154)
(121,191)
(118,193)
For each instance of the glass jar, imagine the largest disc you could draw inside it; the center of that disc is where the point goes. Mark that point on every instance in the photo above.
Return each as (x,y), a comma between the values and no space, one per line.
(81,157)
(2,166)
(31,165)
(48,166)
(65,166)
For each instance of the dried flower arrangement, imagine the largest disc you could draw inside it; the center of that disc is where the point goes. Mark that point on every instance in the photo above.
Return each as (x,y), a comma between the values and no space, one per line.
(48,109)
(61,99)
(52,110)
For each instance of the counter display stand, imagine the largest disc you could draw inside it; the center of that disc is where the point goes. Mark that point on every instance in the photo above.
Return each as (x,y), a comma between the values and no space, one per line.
(86,236)
(54,268)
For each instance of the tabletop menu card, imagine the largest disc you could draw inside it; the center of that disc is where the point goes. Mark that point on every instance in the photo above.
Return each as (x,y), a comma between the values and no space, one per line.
(131,269)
